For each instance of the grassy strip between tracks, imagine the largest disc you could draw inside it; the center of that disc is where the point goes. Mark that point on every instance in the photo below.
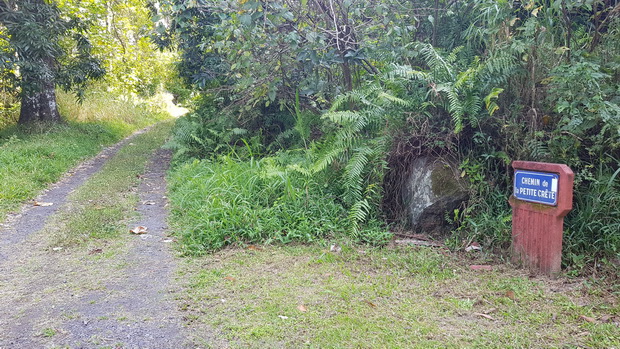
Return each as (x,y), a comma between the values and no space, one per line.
(102,206)
(32,157)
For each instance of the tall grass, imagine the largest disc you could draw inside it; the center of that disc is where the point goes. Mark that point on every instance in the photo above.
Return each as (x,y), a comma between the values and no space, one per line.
(117,112)
(219,202)
(594,225)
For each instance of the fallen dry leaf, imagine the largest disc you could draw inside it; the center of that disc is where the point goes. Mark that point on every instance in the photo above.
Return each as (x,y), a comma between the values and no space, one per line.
(43,204)
(492,310)
(302,308)
(139,230)
(254,248)
(607,318)
(230,278)
(587,318)
(481,267)
(95,251)
(510,294)
(485,316)
(371,304)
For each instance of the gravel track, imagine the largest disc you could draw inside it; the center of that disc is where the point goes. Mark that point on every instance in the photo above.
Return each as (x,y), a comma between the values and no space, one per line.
(116,295)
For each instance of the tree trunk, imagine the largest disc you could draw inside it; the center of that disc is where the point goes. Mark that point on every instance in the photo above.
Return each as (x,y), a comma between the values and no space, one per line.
(38,101)
(346,74)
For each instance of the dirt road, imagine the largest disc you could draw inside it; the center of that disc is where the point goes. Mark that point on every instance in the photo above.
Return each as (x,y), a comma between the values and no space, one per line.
(115,293)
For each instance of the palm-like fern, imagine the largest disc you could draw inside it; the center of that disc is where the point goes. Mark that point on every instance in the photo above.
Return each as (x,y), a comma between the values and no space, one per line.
(358,147)
(460,92)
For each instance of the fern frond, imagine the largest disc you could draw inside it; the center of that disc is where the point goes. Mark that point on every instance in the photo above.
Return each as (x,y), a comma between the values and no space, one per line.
(326,159)
(455,107)
(406,72)
(465,78)
(453,56)
(358,213)
(393,99)
(353,174)
(343,117)
(434,60)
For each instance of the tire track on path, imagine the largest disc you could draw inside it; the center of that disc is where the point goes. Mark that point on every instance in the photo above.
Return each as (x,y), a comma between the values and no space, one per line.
(112,294)
(31,219)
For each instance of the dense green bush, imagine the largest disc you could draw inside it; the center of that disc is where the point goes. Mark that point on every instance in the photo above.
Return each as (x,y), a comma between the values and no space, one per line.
(483,82)
(224,201)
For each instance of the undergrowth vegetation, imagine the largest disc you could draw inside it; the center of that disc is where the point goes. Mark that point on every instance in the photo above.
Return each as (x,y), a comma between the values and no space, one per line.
(225,200)
(358,93)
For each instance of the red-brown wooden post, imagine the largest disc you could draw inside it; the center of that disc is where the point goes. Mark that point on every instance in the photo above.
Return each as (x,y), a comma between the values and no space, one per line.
(542,197)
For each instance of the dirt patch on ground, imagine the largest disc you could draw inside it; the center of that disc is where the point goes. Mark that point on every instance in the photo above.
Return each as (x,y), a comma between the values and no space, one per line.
(114,294)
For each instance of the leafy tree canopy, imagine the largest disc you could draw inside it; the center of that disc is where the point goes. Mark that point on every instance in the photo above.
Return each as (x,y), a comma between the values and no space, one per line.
(49,49)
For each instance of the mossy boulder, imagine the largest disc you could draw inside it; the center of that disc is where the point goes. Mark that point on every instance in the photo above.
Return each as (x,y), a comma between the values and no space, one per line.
(432,192)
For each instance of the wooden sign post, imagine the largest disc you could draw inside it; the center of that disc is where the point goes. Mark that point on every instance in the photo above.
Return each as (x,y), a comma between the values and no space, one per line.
(542,197)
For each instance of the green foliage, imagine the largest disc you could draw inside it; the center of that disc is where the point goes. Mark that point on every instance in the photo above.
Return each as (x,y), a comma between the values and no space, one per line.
(120,34)
(48,46)
(216,203)
(487,218)
(267,53)
(207,133)
(594,223)
(355,149)
(457,88)
(362,90)
(8,91)
(585,100)
(562,109)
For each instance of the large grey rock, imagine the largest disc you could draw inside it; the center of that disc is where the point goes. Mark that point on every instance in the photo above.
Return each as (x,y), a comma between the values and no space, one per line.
(432,190)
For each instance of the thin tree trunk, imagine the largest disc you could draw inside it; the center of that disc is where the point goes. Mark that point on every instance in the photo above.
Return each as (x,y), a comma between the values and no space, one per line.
(569,30)
(347,76)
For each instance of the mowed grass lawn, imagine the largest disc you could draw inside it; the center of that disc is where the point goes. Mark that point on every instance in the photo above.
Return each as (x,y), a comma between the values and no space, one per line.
(396,297)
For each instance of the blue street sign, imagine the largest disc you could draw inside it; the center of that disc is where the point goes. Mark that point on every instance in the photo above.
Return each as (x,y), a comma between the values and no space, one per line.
(538,187)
